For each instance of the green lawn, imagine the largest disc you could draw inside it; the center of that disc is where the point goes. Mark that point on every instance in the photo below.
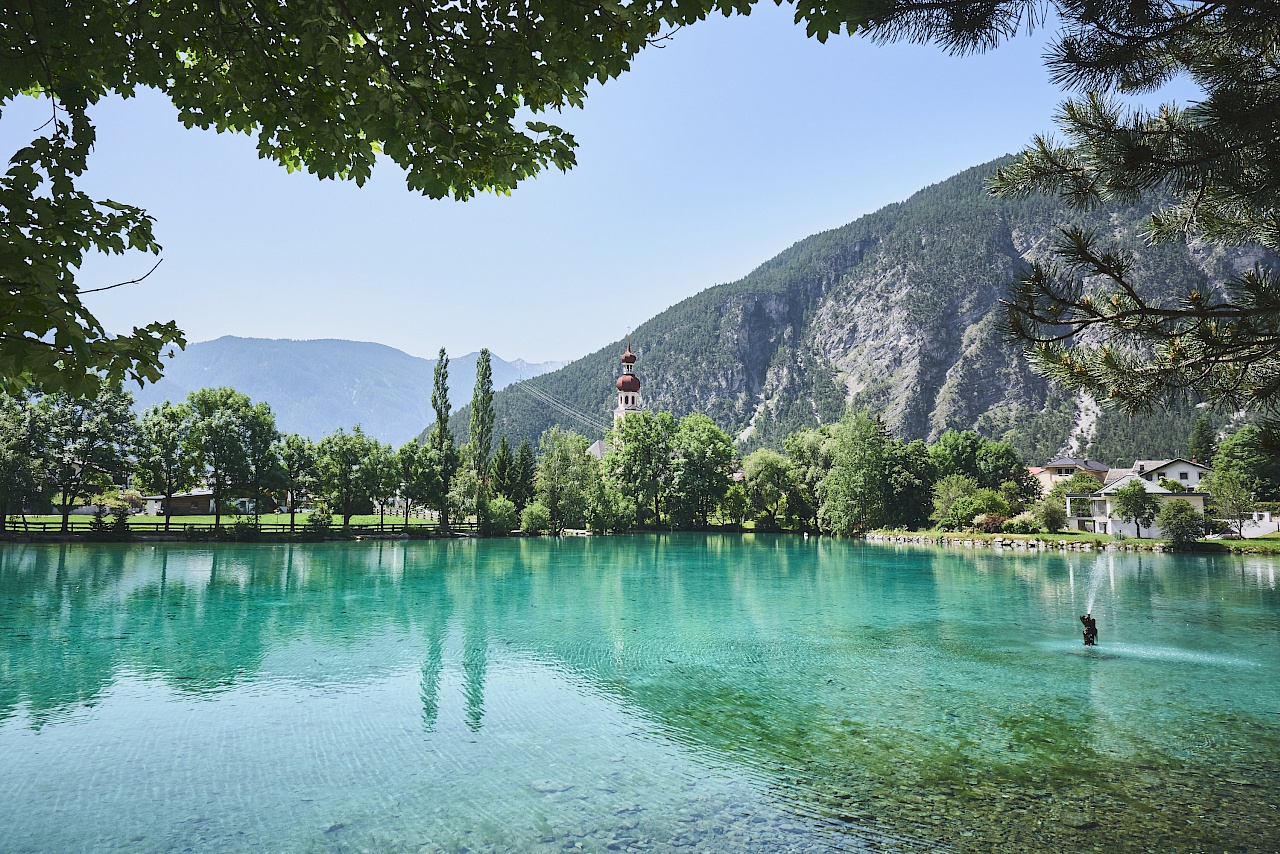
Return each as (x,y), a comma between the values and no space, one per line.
(272,519)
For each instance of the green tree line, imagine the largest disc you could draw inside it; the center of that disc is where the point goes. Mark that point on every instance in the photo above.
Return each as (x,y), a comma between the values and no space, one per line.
(657,471)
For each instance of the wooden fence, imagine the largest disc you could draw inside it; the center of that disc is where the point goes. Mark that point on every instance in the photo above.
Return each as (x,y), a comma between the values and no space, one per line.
(82,524)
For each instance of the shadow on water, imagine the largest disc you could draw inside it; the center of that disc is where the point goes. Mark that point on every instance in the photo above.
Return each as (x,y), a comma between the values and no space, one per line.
(909,698)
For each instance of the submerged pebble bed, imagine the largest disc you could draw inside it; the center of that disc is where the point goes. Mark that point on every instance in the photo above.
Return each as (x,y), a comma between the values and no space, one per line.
(665,694)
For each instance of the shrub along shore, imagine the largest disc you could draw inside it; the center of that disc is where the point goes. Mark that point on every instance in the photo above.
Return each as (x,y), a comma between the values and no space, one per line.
(1069,542)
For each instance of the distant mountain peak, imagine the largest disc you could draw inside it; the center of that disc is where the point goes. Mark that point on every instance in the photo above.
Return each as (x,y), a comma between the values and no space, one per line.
(317,385)
(897,312)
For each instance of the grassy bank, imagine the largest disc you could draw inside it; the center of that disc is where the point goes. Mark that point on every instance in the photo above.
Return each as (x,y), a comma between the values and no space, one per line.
(148,523)
(1268,545)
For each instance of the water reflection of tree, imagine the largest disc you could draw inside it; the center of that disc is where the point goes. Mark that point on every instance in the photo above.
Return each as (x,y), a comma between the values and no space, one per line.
(696,635)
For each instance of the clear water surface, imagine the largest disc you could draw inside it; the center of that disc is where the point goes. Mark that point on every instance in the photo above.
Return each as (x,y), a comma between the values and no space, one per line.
(666,693)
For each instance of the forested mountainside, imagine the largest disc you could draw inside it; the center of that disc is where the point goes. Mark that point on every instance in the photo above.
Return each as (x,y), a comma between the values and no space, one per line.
(314,387)
(897,312)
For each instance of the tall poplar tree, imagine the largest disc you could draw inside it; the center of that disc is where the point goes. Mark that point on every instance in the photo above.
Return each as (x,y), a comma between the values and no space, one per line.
(481,430)
(444,454)
(481,433)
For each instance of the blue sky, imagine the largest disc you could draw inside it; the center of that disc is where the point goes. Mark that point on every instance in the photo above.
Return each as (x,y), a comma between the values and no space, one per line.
(712,155)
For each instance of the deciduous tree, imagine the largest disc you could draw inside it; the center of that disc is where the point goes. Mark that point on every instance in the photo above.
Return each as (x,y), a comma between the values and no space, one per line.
(641,459)
(564,477)
(218,436)
(166,455)
(767,478)
(382,477)
(453,94)
(1132,503)
(950,489)
(86,442)
(298,460)
(343,466)
(1180,522)
(856,492)
(1232,498)
(1250,453)
(808,452)
(20,455)
(262,453)
(704,457)
(419,479)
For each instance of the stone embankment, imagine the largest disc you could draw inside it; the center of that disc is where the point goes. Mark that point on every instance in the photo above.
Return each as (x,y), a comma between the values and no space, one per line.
(1009,543)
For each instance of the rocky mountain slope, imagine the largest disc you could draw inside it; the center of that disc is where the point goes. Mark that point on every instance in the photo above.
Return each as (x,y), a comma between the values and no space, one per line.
(897,312)
(314,387)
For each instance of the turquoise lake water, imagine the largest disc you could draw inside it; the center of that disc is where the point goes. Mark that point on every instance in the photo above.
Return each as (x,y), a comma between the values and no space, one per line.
(681,693)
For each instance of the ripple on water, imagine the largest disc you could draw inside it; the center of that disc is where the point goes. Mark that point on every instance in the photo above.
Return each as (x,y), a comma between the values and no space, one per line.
(1120,651)
(669,694)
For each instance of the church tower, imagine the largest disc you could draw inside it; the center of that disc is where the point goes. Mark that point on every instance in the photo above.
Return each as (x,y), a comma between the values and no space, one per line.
(628,386)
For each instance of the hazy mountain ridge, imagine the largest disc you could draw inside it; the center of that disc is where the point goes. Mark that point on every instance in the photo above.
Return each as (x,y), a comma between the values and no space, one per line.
(897,311)
(316,386)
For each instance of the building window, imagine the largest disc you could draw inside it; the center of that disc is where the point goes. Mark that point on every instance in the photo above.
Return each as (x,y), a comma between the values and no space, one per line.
(1182,475)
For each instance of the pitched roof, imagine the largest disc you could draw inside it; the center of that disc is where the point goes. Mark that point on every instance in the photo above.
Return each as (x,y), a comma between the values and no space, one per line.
(1151,465)
(1077,462)
(195,493)
(1131,477)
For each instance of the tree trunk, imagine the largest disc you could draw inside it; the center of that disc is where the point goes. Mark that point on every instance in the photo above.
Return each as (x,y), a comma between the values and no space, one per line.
(293,509)
(168,508)
(217,510)
(406,515)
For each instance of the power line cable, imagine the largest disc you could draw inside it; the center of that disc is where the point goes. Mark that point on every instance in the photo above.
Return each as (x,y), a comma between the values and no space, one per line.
(546,398)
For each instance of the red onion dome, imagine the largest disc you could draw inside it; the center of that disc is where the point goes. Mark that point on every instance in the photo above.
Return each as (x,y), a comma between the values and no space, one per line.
(628,358)
(628,382)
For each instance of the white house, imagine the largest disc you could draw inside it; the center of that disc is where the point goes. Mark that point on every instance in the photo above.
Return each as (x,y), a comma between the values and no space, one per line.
(1095,512)
(1183,472)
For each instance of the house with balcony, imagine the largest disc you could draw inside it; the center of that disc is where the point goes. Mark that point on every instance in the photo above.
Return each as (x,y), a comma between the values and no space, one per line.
(1095,512)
